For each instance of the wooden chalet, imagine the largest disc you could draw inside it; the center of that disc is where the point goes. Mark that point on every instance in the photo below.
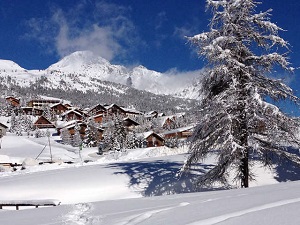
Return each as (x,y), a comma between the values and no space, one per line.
(180,133)
(58,108)
(42,123)
(68,105)
(13,101)
(131,112)
(39,103)
(129,123)
(97,109)
(3,129)
(114,109)
(151,114)
(70,126)
(166,121)
(151,139)
(73,114)
(98,118)
(31,111)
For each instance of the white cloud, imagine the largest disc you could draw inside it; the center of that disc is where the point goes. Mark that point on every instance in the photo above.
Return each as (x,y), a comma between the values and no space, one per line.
(103,28)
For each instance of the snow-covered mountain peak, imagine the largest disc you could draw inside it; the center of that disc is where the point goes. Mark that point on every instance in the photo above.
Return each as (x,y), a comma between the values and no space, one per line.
(9,65)
(79,60)
(143,71)
(84,70)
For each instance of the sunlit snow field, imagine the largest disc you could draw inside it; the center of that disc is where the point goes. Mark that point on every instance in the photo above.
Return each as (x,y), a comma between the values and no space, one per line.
(120,188)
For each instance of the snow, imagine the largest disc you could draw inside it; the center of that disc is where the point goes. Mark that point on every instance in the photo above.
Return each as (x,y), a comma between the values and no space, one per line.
(9,65)
(83,70)
(120,188)
(276,205)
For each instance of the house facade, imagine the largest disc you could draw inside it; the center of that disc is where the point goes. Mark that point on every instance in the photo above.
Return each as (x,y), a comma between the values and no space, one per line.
(43,123)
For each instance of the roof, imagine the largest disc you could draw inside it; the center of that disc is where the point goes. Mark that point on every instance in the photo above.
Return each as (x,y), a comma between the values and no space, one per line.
(145,135)
(129,110)
(68,123)
(131,120)
(162,120)
(43,117)
(181,129)
(56,104)
(114,105)
(76,111)
(95,106)
(4,126)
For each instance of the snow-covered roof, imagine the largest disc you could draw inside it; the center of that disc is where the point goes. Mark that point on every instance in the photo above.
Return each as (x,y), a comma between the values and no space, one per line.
(147,134)
(181,129)
(162,120)
(66,124)
(129,110)
(4,126)
(70,111)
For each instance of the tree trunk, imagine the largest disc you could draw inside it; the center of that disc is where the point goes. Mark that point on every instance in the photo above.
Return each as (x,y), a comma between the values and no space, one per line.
(244,168)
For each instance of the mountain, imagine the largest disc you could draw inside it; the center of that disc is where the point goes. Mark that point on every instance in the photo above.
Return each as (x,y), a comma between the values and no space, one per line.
(84,66)
(88,64)
(95,79)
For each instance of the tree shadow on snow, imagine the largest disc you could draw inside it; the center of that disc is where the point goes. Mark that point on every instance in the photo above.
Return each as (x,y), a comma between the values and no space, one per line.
(159,177)
(287,170)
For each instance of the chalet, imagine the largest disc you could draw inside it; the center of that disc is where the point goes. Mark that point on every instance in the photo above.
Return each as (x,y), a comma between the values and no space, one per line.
(58,108)
(181,133)
(151,139)
(169,121)
(13,101)
(98,118)
(32,111)
(43,122)
(131,112)
(73,114)
(97,109)
(68,105)
(113,109)
(70,126)
(39,103)
(3,129)
(151,114)
(166,121)
(129,123)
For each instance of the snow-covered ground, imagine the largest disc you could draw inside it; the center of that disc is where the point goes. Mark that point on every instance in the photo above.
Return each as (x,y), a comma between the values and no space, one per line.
(119,188)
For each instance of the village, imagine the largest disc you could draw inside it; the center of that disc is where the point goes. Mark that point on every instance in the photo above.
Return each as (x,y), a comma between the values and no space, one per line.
(108,127)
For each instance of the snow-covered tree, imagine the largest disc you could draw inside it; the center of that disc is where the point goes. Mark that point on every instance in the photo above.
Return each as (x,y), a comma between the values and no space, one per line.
(38,133)
(115,135)
(76,139)
(91,134)
(242,49)
(66,136)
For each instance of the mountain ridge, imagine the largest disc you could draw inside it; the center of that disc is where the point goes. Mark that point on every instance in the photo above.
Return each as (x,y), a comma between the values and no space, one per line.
(86,66)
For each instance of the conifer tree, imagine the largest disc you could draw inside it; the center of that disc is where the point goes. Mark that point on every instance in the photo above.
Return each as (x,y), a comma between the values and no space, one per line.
(66,136)
(76,139)
(242,47)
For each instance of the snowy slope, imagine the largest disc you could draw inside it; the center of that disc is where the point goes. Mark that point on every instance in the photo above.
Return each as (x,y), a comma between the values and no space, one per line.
(83,70)
(118,188)
(275,205)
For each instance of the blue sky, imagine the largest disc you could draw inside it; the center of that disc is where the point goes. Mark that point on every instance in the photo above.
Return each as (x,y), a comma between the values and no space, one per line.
(37,33)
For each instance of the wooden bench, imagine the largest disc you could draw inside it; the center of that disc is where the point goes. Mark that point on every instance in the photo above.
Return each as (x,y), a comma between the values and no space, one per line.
(35,203)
